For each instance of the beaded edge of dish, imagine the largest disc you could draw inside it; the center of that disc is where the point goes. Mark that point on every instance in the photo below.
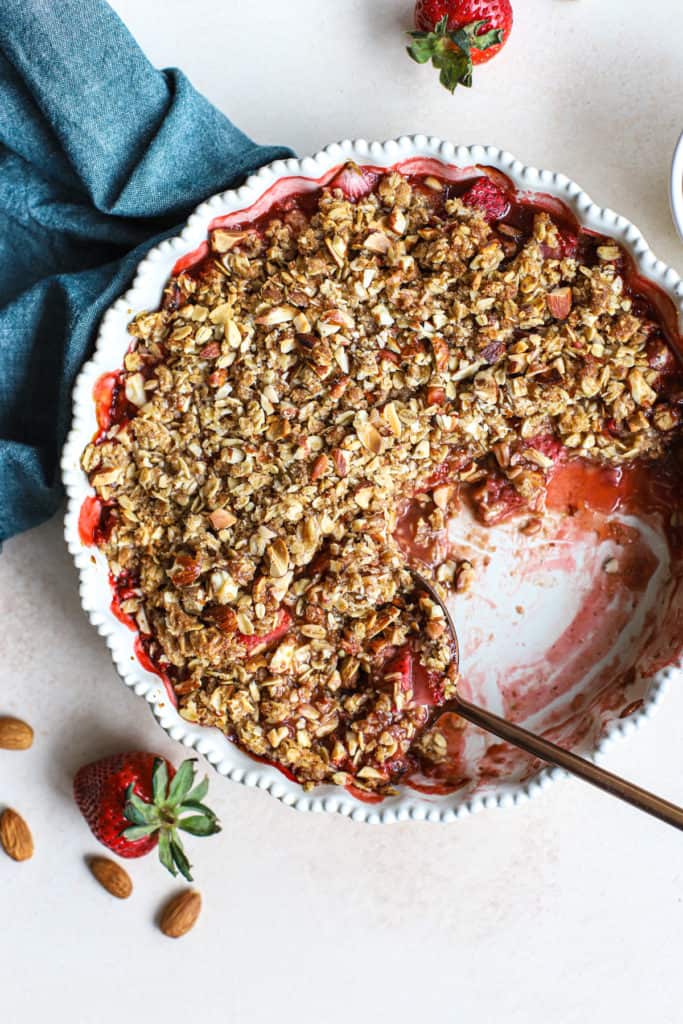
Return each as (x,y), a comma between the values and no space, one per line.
(144,293)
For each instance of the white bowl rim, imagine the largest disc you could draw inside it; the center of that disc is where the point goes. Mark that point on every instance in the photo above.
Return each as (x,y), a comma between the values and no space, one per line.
(676,186)
(234,764)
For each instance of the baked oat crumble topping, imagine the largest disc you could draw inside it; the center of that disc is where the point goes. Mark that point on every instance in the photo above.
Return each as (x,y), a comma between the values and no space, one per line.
(296,390)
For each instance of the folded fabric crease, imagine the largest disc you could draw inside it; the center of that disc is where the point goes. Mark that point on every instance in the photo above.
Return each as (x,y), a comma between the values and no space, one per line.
(101,156)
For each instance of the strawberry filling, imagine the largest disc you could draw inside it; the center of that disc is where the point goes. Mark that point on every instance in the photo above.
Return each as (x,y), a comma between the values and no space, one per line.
(405,672)
(253,644)
(489,198)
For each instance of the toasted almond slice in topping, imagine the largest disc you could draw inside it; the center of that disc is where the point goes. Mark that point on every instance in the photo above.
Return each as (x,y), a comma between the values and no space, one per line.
(221,313)
(390,416)
(232,333)
(277,315)
(397,221)
(320,467)
(370,438)
(341,462)
(135,389)
(533,455)
(223,240)
(277,558)
(337,248)
(222,518)
(363,497)
(443,495)
(377,242)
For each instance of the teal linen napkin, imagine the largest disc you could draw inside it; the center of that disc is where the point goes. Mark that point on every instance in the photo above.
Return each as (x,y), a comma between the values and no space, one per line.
(101,156)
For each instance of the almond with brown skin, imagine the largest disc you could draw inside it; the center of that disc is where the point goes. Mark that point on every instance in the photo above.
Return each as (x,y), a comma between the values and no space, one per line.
(15,734)
(111,877)
(180,914)
(15,836)
(560,303)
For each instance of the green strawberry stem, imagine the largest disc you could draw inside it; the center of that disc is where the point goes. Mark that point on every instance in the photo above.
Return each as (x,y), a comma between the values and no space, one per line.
(450,52)
(164,815)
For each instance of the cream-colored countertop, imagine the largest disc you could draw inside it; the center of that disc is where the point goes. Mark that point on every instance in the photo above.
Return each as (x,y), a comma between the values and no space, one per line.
(566,910)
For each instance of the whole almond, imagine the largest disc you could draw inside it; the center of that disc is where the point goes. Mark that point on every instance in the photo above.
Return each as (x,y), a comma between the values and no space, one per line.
(15,836)
(180,914)
(15,734)
(111,877)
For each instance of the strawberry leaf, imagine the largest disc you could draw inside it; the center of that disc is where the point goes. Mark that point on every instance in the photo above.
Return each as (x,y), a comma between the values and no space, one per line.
(199,825)
(182,783)
(138,832)
(196,805)
(486,39)
(181,861)
(159,780)
(450,52)
(199,791)
(138,812)
(165,855)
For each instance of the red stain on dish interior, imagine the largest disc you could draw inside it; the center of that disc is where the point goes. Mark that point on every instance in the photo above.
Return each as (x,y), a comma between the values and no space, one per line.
(361,794)
(123,587)
(274,764)
(148,663)
(191,258)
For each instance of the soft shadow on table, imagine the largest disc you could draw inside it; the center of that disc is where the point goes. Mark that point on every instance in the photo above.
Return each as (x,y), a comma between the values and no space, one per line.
(388,18)
(69,666)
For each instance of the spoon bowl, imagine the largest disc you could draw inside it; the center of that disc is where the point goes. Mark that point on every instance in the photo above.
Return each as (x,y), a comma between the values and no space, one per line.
(540,747)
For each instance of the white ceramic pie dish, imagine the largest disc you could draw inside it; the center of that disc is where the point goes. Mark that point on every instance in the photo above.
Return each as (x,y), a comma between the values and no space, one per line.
(112,343)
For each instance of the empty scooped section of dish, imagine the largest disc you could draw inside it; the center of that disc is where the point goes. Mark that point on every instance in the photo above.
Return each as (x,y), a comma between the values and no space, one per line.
(555,633)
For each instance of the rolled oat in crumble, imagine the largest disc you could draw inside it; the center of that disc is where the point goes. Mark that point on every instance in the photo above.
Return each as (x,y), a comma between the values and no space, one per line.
(321,374)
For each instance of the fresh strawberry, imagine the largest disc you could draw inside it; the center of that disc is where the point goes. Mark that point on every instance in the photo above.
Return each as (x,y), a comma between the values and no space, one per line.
(456,34)
(489,198)
(134,802)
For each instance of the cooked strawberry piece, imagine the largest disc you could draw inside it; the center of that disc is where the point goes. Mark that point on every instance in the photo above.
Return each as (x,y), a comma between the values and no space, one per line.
(254,642)
(569,243)
(548,445)
(354,181)
(489,198)
(405,672)
(398,671)
(428,687)
(496,499)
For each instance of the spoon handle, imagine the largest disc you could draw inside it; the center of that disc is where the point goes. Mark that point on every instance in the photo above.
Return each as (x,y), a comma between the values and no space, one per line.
(586,770)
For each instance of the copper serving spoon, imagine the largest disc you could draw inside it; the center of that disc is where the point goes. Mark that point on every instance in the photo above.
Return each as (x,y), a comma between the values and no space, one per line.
(543,749)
